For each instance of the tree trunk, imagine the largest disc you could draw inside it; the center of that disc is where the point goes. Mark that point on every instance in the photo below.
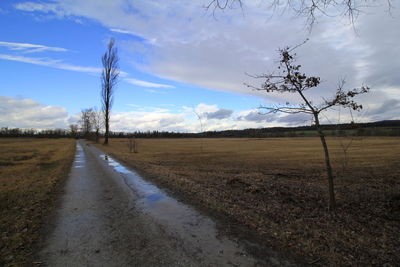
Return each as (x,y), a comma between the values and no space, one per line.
(332,201)
(107,127)
(97,135)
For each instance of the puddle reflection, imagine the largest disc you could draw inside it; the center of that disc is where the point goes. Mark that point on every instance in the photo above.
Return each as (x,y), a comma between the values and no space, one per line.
(176,216)
(79,161)
(150,194)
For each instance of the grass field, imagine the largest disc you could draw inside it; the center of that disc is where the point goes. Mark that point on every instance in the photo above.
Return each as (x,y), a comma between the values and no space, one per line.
(31,172)
(277,189)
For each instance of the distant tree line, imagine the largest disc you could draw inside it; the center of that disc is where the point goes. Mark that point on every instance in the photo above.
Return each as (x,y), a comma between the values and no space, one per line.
(48,133)
(381,128)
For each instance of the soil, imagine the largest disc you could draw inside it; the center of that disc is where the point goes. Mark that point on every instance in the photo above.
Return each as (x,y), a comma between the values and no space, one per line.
(275,189)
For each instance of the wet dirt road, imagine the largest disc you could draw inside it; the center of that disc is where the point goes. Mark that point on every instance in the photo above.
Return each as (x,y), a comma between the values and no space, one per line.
(110,216)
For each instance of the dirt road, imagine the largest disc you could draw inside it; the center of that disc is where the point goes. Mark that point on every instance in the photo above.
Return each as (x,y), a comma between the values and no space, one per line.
(110,216)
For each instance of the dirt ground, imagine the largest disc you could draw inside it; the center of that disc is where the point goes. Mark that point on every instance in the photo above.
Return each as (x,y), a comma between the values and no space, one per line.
(32,172)
(277,190)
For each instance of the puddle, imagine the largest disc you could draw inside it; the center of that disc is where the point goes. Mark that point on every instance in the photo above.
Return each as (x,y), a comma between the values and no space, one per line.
(79,161)
(180,219)
(147,191)
(153,200)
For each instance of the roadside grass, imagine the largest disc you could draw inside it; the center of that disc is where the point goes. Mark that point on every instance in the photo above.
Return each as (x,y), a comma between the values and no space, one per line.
(277,188)
(32,172)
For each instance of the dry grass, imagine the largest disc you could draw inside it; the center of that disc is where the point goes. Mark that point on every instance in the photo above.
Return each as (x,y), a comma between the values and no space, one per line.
(277,188)
(31,172)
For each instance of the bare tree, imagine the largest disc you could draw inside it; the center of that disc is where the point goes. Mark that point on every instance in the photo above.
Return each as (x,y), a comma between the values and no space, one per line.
(74,130)
(86,122)
(109,78)
(200,119)
(132,144)
(346,141)
(309,9)
(290,80)
(96,118)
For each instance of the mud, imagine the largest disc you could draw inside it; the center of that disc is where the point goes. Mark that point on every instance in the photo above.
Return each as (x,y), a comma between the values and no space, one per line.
(110,216)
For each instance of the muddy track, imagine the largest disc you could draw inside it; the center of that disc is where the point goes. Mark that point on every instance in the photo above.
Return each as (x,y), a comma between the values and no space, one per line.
(110,216)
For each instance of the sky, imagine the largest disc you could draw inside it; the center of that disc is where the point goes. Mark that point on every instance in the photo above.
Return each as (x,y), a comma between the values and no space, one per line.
(181,64)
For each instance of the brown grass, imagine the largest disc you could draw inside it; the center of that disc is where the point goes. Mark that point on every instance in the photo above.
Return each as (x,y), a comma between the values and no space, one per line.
(277,188)
(31,172)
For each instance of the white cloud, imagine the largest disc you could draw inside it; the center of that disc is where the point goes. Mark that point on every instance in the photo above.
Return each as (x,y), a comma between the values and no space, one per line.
(31,48)
(139,108)
(57,64)
(296,119)
(203,109)
(388,110)
(195,48)
(147,84)
(146,118)
(256,116)
(220,114)
(44,61)
(41,7)
(122,31)
(147,121)
(27,113)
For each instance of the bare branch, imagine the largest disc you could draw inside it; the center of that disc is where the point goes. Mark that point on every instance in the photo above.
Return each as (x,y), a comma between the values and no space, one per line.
(286,109)
(309,9)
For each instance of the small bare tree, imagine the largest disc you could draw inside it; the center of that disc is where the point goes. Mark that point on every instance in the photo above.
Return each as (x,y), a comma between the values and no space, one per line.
(86,122)
(200,119)
(109,78)
(74,130)
(132,144)
(291,80)
(346,142)
(97,122)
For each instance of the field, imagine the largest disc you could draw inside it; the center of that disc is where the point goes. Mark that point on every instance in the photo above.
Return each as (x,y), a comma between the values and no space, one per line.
(276,188)
(32,172)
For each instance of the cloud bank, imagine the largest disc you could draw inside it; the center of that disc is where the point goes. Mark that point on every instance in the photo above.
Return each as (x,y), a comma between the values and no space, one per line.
(27,113)
(186,44)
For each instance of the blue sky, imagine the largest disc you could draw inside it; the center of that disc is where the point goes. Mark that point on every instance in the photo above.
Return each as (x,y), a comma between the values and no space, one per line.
(175,58)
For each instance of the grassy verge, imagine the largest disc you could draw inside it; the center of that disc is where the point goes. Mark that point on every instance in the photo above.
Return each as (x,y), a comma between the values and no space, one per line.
(277,188)
(31,172)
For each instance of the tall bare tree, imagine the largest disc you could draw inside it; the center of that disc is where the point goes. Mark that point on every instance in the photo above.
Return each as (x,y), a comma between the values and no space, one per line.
(289,79)
(109,79)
